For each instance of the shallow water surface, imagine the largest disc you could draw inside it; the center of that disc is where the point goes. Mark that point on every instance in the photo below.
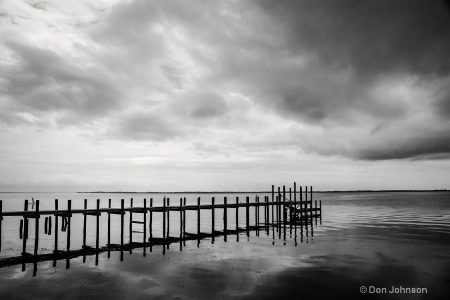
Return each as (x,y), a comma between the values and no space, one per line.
(376,240)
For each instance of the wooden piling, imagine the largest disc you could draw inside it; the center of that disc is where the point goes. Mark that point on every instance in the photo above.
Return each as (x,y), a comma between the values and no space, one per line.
(168,220)
(283,204)
(225,208)
(247,215)
(109,224)
(1,221)
(45,225)
(69,217)
(184,220)
(25,230)
(257,216)
(56,229)
(84,224)
(301,203)
(198,218)
(145,224)
(97,237)
(122,212)
(49,231)
(21,229)
(150,225)
(237,216)
(130,227)
(181,224)
(212,219)
(36,229)
(278,209)
(164,225)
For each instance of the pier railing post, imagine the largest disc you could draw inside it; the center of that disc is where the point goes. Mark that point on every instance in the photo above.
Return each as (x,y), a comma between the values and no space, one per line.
(36,234)
(122,212)
(212,218)
(150,225)
(184,220)
(130,227)
(109,229)
(225,218)
(84,224)
(168,220)
(56,230)
(25,229)
(1,221)
(247,215)
(181,224)
(257,216)
(198,221)
(144,240)
(97,239)
(69,217)
(301,205)
(164,224)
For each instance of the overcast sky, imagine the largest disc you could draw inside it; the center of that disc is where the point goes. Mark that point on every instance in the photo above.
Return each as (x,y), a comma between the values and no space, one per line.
(224,95)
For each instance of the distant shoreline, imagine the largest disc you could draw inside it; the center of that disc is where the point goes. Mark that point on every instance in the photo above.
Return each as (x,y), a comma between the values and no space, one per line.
(237,192)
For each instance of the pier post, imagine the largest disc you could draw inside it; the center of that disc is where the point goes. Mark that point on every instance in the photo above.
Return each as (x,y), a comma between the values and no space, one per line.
(295,198)
(278,209)
(49,232)
(181,224)
(212,219)
(284,211)
(69,217)
(266,214)
(164,225)
(198,222)
(184,221)
(257,216)
(315,210)
(1,221)
(109,229)
(36,231)
(45,225)
(21,229)
(290,208)
(225,218)
(145,224)
(237,214)
(150,225)
(247,215)
(301,205)
(97,239)
(25,229)
(56,230)
(84,224)
(130,227)
(168,220)
(306,204)
(122,212)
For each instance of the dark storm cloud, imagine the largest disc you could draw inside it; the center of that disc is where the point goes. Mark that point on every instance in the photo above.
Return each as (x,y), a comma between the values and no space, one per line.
(371,37)
(422,147)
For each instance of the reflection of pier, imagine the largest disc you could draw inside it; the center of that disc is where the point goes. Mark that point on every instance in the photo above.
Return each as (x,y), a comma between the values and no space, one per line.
(283,213)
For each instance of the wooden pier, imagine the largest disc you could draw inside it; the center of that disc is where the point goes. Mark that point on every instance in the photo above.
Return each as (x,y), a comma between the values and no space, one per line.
(280,210)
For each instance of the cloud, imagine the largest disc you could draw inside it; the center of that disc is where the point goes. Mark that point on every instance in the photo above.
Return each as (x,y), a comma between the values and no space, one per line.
(347,79)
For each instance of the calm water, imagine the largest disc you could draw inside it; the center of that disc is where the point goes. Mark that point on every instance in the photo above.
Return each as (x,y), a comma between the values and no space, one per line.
(376,240)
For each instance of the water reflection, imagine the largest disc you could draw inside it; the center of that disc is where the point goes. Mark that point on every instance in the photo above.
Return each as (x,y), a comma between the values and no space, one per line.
(296,234)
